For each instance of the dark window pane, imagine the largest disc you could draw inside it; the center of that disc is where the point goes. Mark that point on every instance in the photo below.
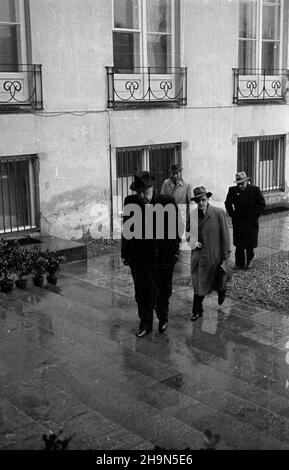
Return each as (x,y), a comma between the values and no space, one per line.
(160,162)
(128,162)
(159,51)
(126,14)
(7,11)
(247,20)
(270,56)
(247,54)
(15,196)
(246,157)
(271,22)
(159,16)
(9,41)
(125,51)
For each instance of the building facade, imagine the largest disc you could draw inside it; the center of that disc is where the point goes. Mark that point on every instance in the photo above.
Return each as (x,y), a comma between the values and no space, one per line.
(92,91)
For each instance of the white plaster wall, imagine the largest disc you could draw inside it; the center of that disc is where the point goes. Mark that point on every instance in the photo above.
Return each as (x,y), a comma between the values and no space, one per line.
(72,40)
(210,50)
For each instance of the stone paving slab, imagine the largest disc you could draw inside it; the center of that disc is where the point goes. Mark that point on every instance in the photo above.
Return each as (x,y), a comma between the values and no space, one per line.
(69,357)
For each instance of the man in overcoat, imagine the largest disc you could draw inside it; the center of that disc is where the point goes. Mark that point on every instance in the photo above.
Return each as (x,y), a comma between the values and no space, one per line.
(244,203)
(180,190)
(210,245)
(150,244)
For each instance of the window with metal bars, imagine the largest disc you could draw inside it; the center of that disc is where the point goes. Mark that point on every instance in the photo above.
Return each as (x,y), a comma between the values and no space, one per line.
(263,159)
(19,209)
(156,159)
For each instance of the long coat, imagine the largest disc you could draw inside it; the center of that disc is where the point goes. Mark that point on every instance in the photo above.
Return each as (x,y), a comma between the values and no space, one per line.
(213,233)
(245,208)
(154,250)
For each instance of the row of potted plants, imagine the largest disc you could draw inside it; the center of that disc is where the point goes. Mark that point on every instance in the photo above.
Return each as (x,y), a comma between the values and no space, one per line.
(16,263)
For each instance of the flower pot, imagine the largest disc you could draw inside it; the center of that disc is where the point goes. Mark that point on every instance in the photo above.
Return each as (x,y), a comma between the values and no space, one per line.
(52,279)
(21,283)
(39,280)
(6,285)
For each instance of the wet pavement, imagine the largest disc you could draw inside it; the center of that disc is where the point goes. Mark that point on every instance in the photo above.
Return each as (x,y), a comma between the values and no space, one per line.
(69,359)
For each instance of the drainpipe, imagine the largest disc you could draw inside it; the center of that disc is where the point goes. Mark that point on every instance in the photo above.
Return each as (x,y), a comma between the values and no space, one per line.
(110,178)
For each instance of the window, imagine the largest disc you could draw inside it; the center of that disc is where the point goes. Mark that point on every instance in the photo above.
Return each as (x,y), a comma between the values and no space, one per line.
(144,34)
(131,160)
(20,82)
(18,193)
(263,159)
(260,35)
(263,42)
(146,53)
(12,35)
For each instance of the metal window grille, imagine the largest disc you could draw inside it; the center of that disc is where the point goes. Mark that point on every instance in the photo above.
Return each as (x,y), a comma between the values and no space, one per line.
(263,159)
(157,159)
(18,194)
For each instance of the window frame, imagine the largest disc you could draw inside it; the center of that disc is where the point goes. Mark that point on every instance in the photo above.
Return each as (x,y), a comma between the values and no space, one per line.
(279,162)
(143,33)
(34,200)
(259,31)
(21,8)
(145,159)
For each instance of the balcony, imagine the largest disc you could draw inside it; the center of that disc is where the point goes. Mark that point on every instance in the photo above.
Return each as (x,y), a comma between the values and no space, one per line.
(146,86)
(260,86)
(20,88)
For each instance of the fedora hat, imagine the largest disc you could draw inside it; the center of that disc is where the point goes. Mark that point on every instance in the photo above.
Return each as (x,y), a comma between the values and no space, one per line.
(200,191)
(241,176)
(142,180)
(176,167)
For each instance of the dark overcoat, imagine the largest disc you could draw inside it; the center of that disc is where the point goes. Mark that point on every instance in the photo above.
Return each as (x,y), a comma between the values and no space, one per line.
(245,208)
(213,233)
(153,250)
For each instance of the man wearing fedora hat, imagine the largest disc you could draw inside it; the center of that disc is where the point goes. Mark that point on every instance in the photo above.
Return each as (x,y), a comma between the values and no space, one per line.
(180,190)
(151,256)
(209,240)
(244,203)
(176,186)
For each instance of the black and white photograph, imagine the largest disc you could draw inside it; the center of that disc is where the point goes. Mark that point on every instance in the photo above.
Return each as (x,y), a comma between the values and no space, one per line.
(144,229)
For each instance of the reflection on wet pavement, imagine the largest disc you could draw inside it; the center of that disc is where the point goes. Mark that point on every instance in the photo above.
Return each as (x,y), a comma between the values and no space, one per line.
(69,359)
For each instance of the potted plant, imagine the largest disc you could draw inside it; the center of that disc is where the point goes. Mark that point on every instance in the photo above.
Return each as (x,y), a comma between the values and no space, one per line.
(53,261)
(38,266)
(23,266)
(6,266)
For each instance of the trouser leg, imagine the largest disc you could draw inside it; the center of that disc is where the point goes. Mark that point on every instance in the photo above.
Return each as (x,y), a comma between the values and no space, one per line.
(162,284)
(250,254)
(198,304)
(144,296)
(240,256)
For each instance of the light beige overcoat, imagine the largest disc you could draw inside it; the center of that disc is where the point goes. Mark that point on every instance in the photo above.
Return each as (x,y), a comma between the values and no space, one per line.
(213,233)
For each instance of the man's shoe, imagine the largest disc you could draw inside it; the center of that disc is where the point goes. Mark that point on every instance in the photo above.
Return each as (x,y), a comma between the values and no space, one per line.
(221,296)
(238,266)
(195,316)
(142,332)
(163,326)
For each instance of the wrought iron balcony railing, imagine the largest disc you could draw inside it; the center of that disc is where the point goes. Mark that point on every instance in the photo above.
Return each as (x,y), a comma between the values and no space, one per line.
(260,85)
(20,87)
(146,86)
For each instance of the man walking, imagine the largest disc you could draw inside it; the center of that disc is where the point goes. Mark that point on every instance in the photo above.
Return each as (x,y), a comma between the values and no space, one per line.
(149,246)
(180,190)
(208,236)
(244,203)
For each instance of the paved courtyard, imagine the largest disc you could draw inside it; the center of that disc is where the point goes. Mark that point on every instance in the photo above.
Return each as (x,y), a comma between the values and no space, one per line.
(69,359)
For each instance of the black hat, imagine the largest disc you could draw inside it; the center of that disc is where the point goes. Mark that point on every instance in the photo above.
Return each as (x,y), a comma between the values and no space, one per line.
(200,191)
(142,180)
(176,167)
